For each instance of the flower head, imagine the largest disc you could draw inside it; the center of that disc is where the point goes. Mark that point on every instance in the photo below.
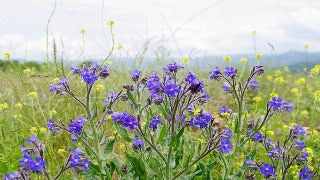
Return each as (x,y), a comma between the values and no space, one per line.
(76,125)
(230,72)
(137,143)
(171,89)
(253,84)
(154,122)
(305,173)
(135,75)
(267,170)
(215,74)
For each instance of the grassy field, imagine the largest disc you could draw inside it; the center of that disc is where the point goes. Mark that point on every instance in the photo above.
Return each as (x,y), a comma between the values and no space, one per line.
(26,105)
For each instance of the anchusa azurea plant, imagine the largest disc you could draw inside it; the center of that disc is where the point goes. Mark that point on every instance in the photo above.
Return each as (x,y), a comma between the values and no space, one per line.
(166,112)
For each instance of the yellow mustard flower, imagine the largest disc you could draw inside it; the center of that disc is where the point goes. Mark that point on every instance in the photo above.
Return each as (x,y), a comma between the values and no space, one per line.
(119,47)
(111,22)
(108,117)
(111,138)
(243,60)
(61,151)
(285,127)
(143,123)
(43,129)
(3,106)
(294,90)
(196,111)
(18,105)
(99,87)
(269,78)
(238,164)
(273,95)
(315,70)
(107,62)
(185,60)
(122,147)
(270,133)
(33,130)
(27,70)
(227,59)
(259,55)
(55,80)
(257,99)
(254,32)
(317,95)
(301,81)
(306,46)
(201,141)
(277,72)
(164,151)
(53,112)
(286,69)
(7,55)
(17,116)
(304,113)
(225,114)
(279,80)
(82,31)
(32,94)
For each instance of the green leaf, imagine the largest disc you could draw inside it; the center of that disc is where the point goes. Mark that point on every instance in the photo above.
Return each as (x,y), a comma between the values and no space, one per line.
(132,99)
(94,169)
(95,111)
(137,166)
(123,132)
(109,147)
(163,133)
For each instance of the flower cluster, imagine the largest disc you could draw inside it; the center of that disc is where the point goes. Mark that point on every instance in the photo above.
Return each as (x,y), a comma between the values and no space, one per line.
(76,125)
(154,122)
(280,104)
(125,119)
(226,146)
(77,161)
(92,73)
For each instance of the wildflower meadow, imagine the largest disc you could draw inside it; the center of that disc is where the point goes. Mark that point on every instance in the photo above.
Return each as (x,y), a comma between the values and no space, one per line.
(171,118)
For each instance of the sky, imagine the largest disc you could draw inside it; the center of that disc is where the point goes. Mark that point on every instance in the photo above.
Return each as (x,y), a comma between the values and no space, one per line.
(183,28)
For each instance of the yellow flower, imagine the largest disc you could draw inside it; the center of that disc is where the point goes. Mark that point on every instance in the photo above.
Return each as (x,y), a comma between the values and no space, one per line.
(225,114)
(7,55)
(306,46)
(18,106)
(270,133)
(243,60)
(119,47)
(269,78)
(122,146)
(201,141)
(61,151)
(186,60)
(294,90)
(274,95)
(315,70)
(285,127)
(304,113)
(305,69)
(196,111)
(294,169)
(32,94)
(109,118)
(114,132)
(111,22)
(227,59)
(53,112)
(292,124)
(43,129)
(254,33)
(3,106)
(317,95)
(33,130)
(164,151)
(107,62)
(99,87)
(257,99)
(286,69)
(82,31)
(277,72)
(27,70)
(55,80)
(111,138)
(259,55)
(279,80)
(143,123)
(263,129)
(238,164)
(301,81)
(17,116)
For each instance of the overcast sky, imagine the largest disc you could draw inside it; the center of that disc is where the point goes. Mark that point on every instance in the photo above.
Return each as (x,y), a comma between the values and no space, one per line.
(185,27)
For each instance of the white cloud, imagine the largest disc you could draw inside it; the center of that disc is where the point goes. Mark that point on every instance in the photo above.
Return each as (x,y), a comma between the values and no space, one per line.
(222,29)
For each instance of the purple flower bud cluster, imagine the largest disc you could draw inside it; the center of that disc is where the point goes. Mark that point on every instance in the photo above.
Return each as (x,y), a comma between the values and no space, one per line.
(224,109)
(76,125)
(225,144)
(215,74)
(137,143)
(172,68)
(92,73)
(112,97)
(226,87)
(201,120)
(125,119)
(61,87)
(135,75)
(77,161)
(253,84)
(230,72)
(154,122)
(280,104)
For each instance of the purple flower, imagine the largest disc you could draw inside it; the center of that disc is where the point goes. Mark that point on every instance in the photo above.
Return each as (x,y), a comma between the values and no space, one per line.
(253,84)
(74,138)
(171,89)
(276,103)
(135,75)
(226,87)
(306,173)
(152,80)
(128,120)
(51,124)
(258,70)
(303,157)
(76,125)
(276,152)
(230,72)
(111,98)
(77,161)
(190,108)
(215,74)
(154,122)
(298,131)
(267,170)
(61,87)
(225,146)
(75,70)
(36,165)
(104,73)
(258,137)
(227,133)
(32,140)
(202,120)
(12,176)
(298,144)
(191,78)
(88,76)
(174,67)
(287,106)
(137,143)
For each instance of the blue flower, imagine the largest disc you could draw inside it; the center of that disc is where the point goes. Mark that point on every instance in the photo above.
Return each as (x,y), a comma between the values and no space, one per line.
(253,84)
(267,170)
(137,143)
(224,109)
(12,176)
(305,173)
(202,120)
(75,70)
(77,161)
(154,122)
(135,75)
(174,67)
(225,146)
(171,89)
(298,131)
(226,87)
(152,80)
(258,137)
(88,76)
(258,70)
(276,152)
(37,165)
(128,120)
(276,103)
(230,72)
(215,74)
(287,106)
(298,144)
(191,78)
(32,140)
(104,73)
(60,87)
(111,98)
(76,125)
